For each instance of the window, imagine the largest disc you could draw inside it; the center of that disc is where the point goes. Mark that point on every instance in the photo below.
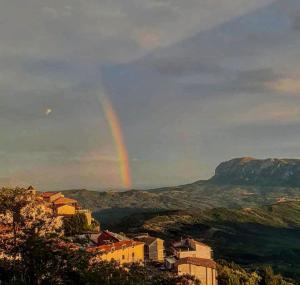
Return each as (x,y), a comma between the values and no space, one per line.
(132,255)
(123,256)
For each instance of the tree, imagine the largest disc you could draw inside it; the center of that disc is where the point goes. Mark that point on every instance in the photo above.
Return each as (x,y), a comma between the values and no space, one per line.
(270,278)
(53,261)
(233,274)
(75,224)
(23,216)
(110,273)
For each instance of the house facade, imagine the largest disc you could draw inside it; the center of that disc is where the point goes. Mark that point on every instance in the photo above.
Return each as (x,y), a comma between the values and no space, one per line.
(202,269)
(123,252)
(191,248)
(195,258)
(153,247)
(63,206)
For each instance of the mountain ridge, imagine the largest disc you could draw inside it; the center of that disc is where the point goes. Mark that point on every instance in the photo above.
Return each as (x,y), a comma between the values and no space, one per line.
(110,206)
(264,172)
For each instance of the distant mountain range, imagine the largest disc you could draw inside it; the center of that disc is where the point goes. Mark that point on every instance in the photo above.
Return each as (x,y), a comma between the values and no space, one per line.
(249,211)
(258,172)
(241,182)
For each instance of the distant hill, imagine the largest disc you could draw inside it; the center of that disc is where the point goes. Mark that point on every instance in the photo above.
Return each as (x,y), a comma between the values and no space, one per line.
(259,172)
(227,211)
(249,236)
(241,182)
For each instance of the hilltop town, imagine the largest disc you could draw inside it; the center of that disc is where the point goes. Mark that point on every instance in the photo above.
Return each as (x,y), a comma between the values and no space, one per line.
(47,236)
(183,257)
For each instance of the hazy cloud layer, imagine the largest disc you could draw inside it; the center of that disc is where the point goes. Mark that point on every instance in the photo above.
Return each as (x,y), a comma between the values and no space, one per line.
(194,82)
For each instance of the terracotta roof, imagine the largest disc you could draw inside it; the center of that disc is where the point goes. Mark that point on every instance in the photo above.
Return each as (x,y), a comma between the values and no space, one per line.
(147,240)
(185,243)
(197,261)
(48,194)
(116,236)
(63,201)
(114,246)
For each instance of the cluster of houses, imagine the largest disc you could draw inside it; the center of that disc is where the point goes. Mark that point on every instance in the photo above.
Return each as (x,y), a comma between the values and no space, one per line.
(63,206)
(186,256)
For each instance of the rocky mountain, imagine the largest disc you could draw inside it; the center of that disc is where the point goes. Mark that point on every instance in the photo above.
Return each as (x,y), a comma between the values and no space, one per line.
(243,211)
(259,172)
(241,182)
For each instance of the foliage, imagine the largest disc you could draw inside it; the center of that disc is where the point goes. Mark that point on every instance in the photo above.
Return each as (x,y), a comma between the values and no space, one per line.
(64,266)
(76,224)
(268,277)
(232,274)
(22,215)
(39,255)
(249,236)
(199,195)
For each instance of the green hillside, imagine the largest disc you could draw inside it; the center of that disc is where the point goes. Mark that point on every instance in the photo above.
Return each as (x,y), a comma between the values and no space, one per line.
(228,212)
(111,206)
(249,236)
(241,182)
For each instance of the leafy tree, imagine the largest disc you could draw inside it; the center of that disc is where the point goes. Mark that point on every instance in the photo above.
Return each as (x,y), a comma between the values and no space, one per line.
(75,224)
(109,273)
(233,274)
(270,278)
(23,214)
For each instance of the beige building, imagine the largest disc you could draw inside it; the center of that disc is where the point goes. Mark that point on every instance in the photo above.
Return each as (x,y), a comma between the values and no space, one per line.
(195,258)
(64,206)
(123,252)
(154,248)
(202,269)
(191,248)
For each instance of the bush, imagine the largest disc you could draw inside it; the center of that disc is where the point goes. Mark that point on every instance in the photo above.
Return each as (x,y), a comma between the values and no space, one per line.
(75,224)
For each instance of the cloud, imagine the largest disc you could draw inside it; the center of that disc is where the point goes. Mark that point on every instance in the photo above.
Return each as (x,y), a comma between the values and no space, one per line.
(105,154)
(272,112)
(68,176)
(148,39)
(178,73)
(288,86)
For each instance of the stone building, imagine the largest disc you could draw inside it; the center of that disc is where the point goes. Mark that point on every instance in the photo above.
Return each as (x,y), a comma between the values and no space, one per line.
(63,206)
(153,247)
(112,246)
(195,258)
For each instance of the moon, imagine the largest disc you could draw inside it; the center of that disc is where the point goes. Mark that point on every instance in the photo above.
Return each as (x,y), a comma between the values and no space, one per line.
(48,112)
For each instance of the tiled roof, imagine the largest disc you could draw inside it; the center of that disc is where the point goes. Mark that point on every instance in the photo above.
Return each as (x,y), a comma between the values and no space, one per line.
(116,236)
(114,246)
(48,194)
(63,201)
(197,261)
(186,243)
(147,240)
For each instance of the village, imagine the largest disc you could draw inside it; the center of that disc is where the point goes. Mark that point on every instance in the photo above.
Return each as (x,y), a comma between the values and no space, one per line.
(185,256)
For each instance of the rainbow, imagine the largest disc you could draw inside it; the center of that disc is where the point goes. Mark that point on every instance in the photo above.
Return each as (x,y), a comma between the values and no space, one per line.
(117,135)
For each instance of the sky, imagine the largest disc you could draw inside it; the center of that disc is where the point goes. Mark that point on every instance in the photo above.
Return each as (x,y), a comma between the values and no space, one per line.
(190,84)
